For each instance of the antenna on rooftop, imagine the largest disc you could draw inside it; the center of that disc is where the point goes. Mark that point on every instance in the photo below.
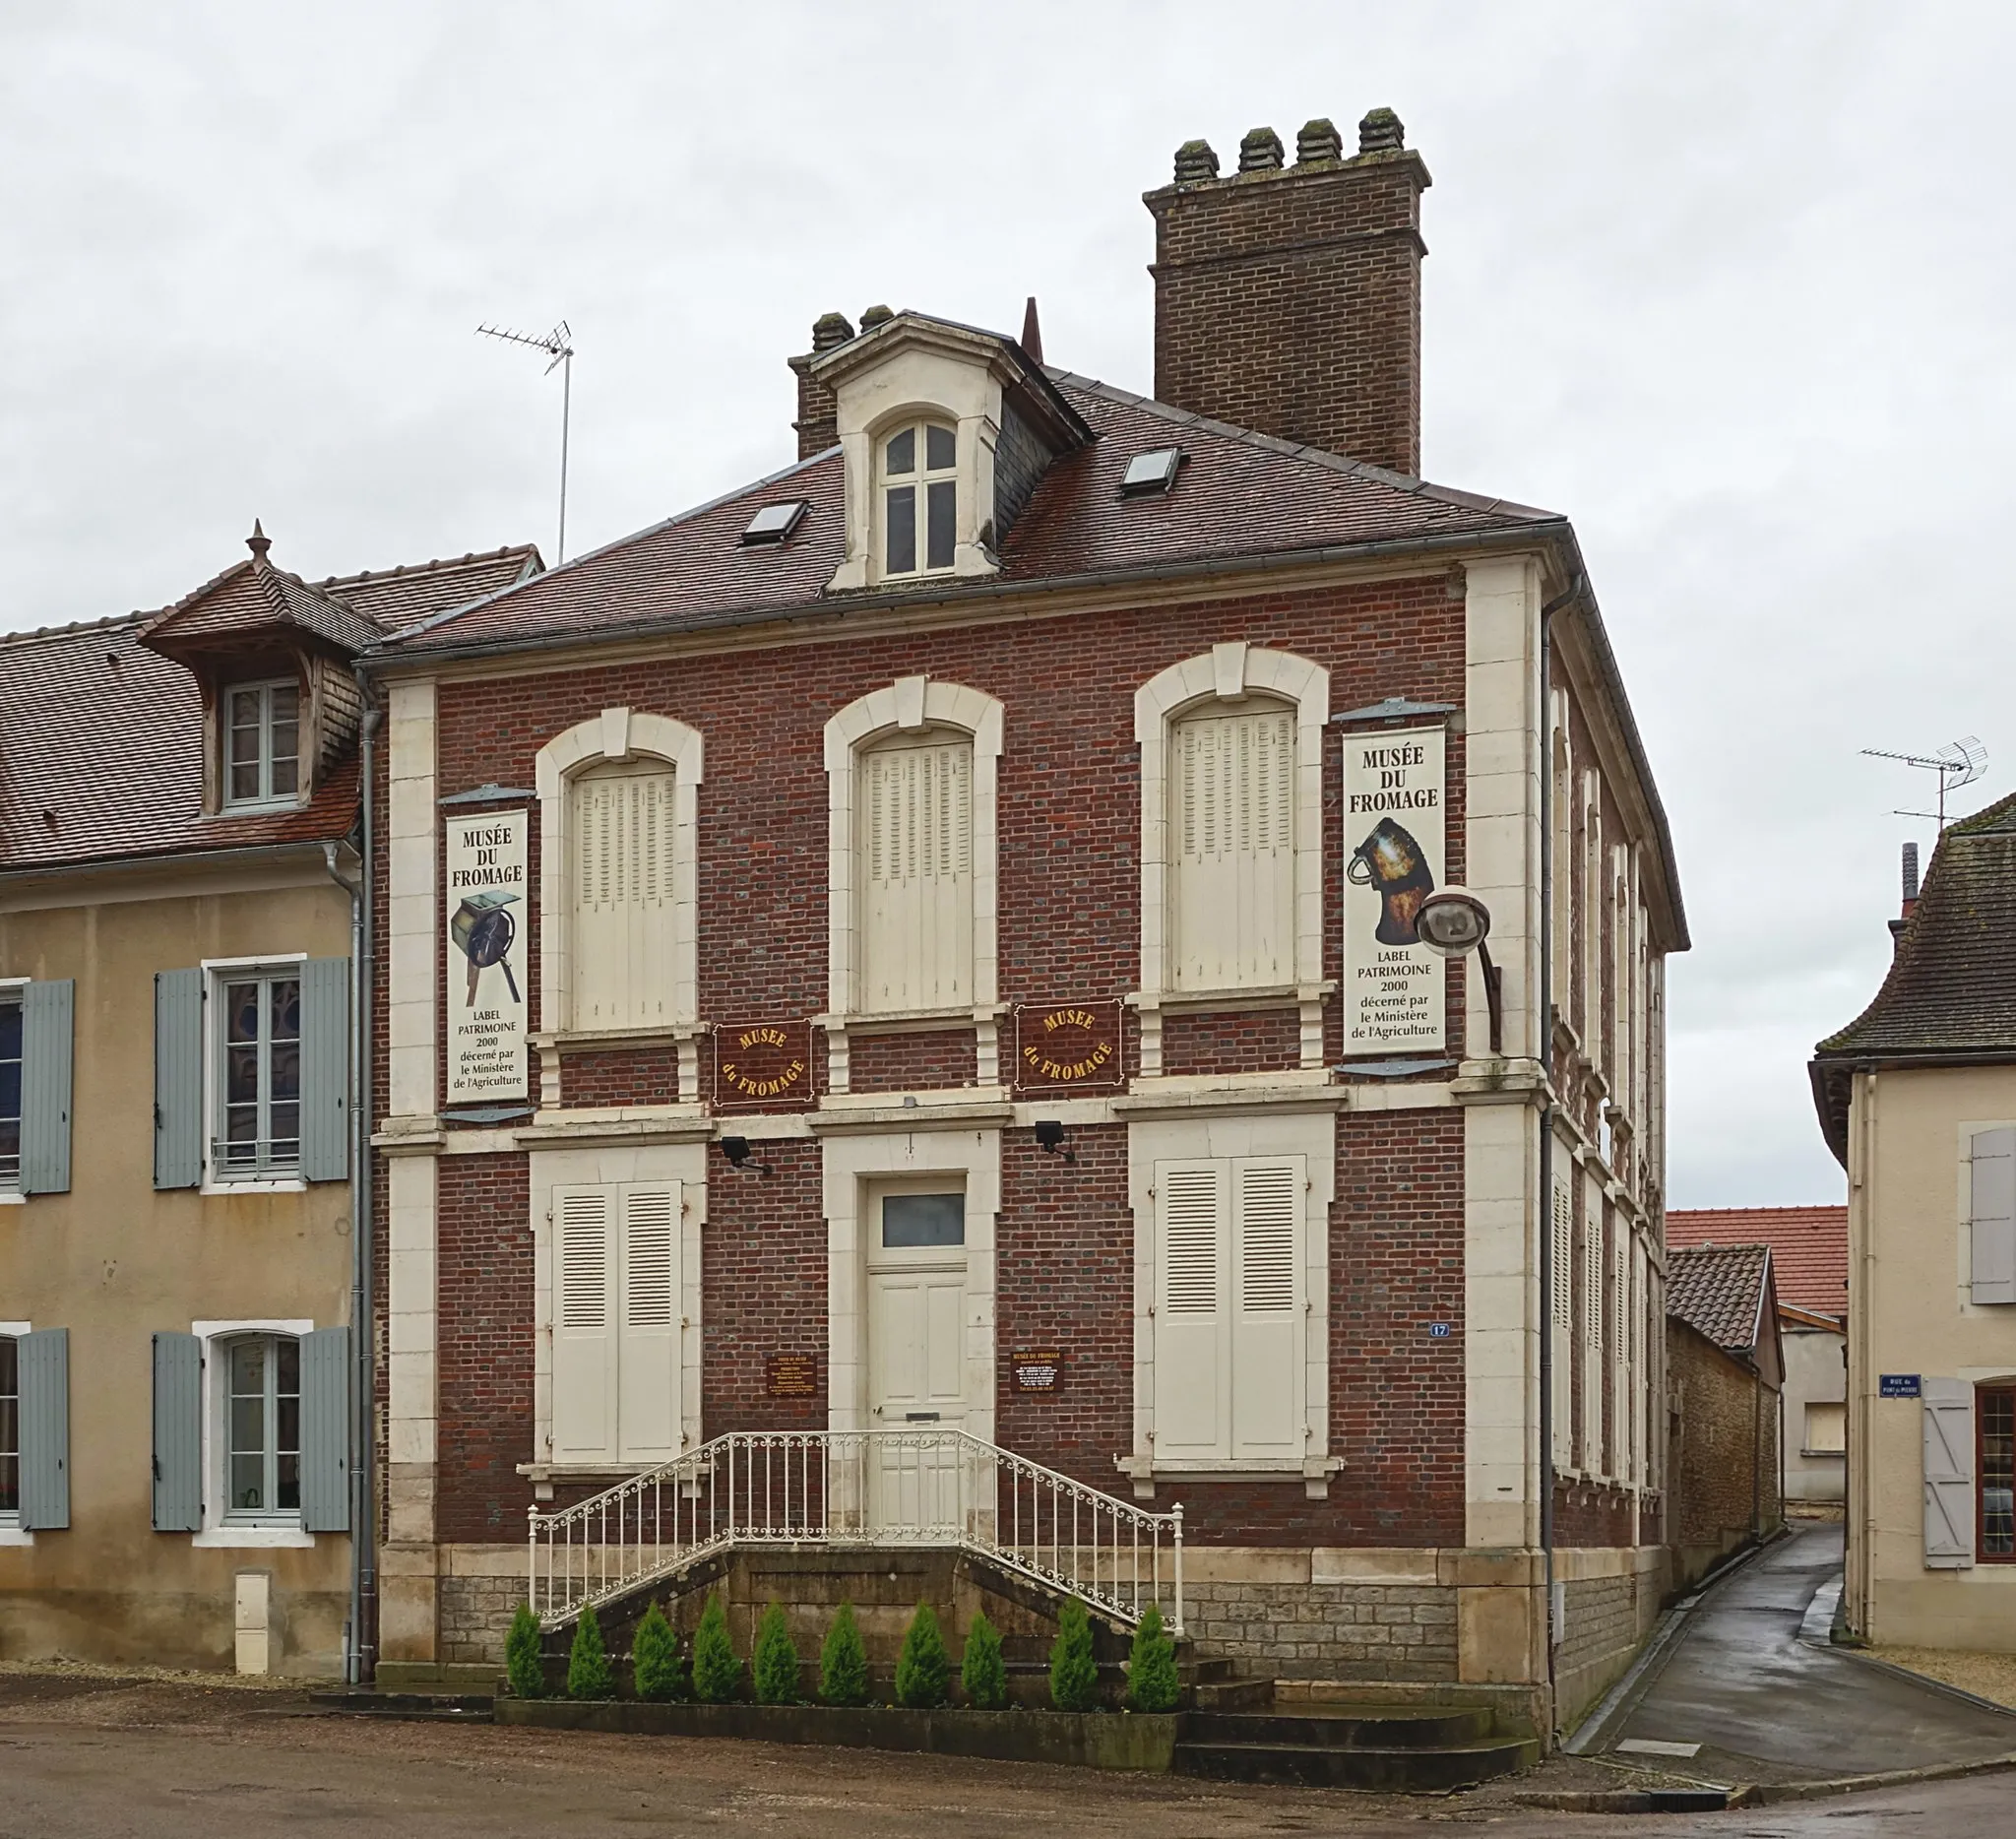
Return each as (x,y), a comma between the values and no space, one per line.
(559,344)
(1958,763)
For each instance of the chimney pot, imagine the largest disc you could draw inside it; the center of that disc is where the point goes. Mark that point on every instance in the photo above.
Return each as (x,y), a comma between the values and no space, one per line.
(1260,151)
(1381,132)
(830,331)
(1195,162)
(1318,142)
(874,316)
(1909,877)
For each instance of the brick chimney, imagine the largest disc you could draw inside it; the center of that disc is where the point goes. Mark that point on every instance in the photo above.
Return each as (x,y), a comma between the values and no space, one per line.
(1288,298)
(817,428)
(1909,906)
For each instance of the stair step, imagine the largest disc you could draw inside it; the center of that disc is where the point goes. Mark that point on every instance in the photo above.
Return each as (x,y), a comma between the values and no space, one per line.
(1343,1728)
(1229,1694)
(1310,1765)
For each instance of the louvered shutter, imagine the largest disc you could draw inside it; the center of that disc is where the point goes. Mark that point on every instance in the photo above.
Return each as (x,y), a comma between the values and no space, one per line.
(326,1069)
(44,1370)
(1562,1351)
(1269,1313)
(326,1431)
(648,1348)
(916,876)
(1946,1407)
(1232,850)
(1991,1214)
(177,1078)
(621,825)
(1194,1314)
(45,1049)
(177,1433)
(583,1345)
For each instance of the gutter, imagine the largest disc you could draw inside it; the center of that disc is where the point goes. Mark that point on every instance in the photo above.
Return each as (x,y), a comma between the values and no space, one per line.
(306,847)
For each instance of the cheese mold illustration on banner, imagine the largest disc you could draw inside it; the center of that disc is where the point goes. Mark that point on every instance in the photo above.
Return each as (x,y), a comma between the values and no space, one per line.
(1395,853)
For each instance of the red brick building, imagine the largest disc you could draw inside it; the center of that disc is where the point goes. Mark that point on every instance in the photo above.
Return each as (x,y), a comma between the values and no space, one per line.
(957,965)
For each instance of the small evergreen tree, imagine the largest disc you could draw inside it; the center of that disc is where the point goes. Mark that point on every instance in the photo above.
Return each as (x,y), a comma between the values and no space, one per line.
(1152,1682)
(716,1672)
(588,1666)
(982,1673)
(923,1672)
(523,1662)
(844,1661)
(1074,1673)
(655,1663)
(776,1661)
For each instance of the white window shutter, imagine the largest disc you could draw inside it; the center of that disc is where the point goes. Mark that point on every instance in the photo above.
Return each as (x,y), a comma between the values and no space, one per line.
(1192,1314)
(1991,1212)
(621,843)
(1269,1307)
(648,1350)
(1232,850)
(584,1324)
(1562,1251)
(1946,1407)
(915,873)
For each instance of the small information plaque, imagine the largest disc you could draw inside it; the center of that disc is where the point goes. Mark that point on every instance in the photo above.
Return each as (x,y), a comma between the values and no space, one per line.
(763,1065)
(791,1375)
(1069,1046)
(1901,1385)
(1035,1369)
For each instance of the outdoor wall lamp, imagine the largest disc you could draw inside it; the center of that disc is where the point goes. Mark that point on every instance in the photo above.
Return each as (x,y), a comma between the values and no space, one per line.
(1453,923)
(737,1150)
(1050,1138)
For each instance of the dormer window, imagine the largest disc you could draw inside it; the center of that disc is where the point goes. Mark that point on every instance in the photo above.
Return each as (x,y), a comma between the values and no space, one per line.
(262,745)
(920,461)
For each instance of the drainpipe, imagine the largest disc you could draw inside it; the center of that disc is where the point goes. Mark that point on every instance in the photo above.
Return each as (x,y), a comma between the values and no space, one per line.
(363,1656)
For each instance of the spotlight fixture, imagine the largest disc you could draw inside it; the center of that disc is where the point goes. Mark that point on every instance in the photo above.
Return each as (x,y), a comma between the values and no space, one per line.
(737,1150)
(1050,1138)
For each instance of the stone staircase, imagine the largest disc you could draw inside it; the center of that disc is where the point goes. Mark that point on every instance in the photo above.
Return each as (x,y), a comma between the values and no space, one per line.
(1237,1733)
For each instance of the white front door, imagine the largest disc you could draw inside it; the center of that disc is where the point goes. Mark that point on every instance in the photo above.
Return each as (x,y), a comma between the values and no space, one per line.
(917,1356)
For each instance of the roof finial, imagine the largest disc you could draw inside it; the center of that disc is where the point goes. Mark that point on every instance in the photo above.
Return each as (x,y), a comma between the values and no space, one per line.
(258,542)
(1031,333)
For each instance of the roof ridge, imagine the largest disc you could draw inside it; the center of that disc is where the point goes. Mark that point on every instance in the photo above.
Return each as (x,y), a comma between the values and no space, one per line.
(408,571)
(28,634)
(1298,450)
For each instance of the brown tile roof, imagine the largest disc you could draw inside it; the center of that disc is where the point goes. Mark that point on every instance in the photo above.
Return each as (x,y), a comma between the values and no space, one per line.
(1809,1247)
(1240,495)
(396,596)
(253,597)
(1721,1291)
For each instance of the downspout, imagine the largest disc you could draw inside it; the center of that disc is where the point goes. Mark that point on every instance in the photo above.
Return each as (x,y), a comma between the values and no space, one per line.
(363,1660)
(354,887)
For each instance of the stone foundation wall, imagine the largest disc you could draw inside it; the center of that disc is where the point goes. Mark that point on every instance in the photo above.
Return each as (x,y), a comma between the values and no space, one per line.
(1364,1631)
(475,1616)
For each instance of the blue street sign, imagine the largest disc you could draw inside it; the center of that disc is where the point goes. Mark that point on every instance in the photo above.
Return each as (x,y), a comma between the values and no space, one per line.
(1900,1385)
(1438,1331)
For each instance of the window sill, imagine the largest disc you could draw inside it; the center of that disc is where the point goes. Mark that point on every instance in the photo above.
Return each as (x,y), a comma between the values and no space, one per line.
(13,1533)
(1824,1455)
(292,1184)
(1239,996)
(252,1538)
(255,807)
(1313,1471)
(12,1197)
(911,1021)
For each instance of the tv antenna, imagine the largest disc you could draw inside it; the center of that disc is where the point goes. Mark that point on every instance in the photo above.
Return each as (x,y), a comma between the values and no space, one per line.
(559,344)
(1958,763)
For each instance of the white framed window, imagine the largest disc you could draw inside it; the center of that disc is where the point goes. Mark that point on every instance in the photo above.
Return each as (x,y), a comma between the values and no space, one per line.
(1826,1429)
(260,1442)
(620,826)
(256,1074)
(914,869)
(11,1019)
(918,498)
(262,744)
(10,1424)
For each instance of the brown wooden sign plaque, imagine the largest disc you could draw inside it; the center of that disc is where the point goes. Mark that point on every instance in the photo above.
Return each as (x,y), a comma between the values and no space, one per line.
(1035,1369)
(791,1375)
(1069,1046)
(762,1065)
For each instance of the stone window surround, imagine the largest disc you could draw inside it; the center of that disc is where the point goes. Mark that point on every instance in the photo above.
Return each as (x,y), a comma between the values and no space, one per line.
(1228,673)
(11,1532)
(280,1530)
(615,736)
(909,706)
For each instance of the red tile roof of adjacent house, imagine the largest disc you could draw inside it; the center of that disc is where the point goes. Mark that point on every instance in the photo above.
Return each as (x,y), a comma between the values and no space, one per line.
(1720,1290)
(1809,1247)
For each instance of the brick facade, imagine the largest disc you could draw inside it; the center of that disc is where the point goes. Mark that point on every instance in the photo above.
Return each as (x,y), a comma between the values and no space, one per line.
(1724,1452)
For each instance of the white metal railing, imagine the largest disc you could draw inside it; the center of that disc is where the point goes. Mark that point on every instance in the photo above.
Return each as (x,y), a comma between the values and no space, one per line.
(817,1488)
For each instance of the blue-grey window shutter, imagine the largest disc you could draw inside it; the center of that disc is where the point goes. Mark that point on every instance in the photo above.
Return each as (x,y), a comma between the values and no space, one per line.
(1991,1215)
(177,1078)
(177,1433)
(1947,1409)
(326,1431)
(45,1011)
(326,1069)
(45,1370)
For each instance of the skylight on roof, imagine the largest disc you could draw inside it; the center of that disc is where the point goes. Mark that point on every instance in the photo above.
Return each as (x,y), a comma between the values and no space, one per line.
(775,522)
(1151,472)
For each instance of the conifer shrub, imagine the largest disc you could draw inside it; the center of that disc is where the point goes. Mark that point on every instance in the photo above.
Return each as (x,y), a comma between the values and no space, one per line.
(923,1672)
(1074,1672)
(775,1667)
(1152,1682)
(588,1664)
(982,1673)
(844,1661)
(523,1664)
(716,1672)
(655,1663)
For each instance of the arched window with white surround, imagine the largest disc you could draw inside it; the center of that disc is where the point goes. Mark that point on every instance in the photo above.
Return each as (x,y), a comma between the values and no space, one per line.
(918,497)
(913,869)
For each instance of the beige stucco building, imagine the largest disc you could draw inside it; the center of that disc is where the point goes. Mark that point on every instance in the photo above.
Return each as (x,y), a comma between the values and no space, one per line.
(1918,1097)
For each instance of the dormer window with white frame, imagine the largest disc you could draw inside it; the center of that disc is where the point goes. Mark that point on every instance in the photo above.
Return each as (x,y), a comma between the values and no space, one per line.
(262,745)
(920,499)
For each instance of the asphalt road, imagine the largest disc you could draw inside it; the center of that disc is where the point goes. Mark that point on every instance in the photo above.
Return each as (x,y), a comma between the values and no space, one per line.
(1767,1706)
(81,1761)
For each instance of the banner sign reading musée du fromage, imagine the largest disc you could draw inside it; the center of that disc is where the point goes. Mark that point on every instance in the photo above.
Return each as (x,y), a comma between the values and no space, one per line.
(1394,848)
(485,908)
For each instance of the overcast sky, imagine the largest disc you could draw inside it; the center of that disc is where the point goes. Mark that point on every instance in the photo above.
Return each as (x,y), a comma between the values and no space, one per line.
(1729,285)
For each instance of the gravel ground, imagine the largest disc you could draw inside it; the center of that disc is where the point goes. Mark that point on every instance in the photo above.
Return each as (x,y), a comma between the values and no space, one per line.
(1986,1676)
